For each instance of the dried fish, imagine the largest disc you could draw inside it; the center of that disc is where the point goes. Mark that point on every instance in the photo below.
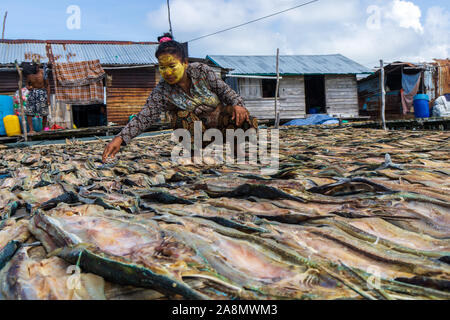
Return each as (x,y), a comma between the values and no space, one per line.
(345,206)
(124,255)
(7,252)
(24,278)
(261,191)
(163,197)
(68,197)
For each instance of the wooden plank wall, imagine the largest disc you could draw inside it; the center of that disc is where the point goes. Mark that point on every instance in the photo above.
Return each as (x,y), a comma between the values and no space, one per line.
(128,93)
(251,92)
(292,98)
(292,94)
(341,95)
(250,88)
(9,83)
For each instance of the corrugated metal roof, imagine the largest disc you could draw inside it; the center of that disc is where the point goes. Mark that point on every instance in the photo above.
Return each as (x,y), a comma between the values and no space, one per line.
(10,52)
(108,54)
(289,65)
(120,53)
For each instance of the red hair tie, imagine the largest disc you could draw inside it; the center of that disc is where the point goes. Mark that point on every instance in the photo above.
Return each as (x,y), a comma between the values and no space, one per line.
(165,39)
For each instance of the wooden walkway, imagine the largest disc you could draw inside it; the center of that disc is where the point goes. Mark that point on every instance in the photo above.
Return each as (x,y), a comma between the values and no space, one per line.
(75,133)
(438,124)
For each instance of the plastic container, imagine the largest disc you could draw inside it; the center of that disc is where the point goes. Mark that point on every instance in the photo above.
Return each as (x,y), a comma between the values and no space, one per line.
(421,106)
(37,124)
(12,126)
(6,109)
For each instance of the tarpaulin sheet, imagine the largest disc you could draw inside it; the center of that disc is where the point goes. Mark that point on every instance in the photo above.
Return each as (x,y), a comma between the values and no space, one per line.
(316,119)
(441,107)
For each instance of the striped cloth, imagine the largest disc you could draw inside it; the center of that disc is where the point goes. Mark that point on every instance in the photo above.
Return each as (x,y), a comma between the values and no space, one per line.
(79,82)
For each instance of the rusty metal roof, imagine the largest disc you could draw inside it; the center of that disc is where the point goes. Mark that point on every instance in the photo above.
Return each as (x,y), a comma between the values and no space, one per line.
(290,65)
(108,52)
(10,52)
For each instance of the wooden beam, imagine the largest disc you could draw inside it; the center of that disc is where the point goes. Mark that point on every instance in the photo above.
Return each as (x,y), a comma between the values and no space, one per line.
(383,96)
(4,24)
(22,111)
(277,112)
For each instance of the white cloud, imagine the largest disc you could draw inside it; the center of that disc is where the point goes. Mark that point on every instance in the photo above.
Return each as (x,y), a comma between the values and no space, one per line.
(325,27)
(406,14)
(437,33)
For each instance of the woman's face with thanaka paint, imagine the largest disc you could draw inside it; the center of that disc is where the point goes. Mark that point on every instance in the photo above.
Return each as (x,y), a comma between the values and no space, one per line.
(171,68)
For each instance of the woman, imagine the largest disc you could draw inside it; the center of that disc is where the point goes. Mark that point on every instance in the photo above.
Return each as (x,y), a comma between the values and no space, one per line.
(189,93)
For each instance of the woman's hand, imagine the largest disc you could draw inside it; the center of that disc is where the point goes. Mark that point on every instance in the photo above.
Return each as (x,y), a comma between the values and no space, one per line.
(112,148)
(240,114)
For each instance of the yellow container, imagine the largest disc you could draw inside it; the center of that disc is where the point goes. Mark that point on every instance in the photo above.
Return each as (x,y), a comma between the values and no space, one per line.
(12,126)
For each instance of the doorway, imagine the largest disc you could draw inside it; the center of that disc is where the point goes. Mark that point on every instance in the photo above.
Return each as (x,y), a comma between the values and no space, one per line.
(315,94)
(93,115)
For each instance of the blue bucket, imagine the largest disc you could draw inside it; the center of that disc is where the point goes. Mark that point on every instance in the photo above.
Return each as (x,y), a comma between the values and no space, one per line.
(37,124)
(421,106)
(6,109)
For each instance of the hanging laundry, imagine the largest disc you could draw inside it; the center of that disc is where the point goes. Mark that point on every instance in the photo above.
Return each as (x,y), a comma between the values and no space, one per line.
(410,87)
(79,82)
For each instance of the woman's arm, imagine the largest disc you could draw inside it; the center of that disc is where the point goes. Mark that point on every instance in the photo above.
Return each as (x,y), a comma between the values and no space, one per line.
(149,115)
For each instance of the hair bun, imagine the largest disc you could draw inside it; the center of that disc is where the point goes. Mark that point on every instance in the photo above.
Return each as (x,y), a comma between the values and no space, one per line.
(168,45)
(165,37)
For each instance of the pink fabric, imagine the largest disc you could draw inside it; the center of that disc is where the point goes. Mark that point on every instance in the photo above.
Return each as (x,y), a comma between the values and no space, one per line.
(408,99)
(165,39)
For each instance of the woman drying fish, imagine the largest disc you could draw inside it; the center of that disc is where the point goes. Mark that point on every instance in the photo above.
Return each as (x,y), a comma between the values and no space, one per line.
(189,93)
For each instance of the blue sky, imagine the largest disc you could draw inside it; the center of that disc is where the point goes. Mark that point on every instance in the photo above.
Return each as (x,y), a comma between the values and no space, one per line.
(329,26)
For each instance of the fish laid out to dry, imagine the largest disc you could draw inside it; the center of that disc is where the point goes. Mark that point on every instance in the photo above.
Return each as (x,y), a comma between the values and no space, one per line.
(349,214)
(24,278)
(12,235)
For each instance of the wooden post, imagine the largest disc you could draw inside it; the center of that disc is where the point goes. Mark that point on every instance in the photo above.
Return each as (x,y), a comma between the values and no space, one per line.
(383,96)
(22,111)
(4,24)
(277,112)
(69,109)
